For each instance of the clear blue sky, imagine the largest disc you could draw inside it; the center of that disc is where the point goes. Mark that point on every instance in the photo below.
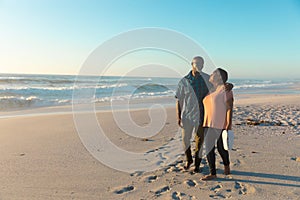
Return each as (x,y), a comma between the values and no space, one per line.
(252,38)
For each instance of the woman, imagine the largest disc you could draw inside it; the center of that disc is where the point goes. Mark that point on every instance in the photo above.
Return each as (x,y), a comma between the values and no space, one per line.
(217,117)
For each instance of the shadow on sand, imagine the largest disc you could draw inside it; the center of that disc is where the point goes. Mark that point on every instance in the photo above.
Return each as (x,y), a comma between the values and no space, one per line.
(276,178)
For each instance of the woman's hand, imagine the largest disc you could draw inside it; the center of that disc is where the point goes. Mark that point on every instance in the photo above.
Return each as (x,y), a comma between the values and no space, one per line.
(229,107)
(228,127)
(179,123)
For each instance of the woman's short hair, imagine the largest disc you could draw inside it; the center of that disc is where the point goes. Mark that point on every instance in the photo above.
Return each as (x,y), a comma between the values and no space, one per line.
(223,74)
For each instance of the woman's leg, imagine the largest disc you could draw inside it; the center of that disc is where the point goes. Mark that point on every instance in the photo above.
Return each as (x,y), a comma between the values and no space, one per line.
(210,140)
(211,158)
(224,155)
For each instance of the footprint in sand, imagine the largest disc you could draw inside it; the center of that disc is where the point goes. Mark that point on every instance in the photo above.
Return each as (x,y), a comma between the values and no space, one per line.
(177,195)
(175,163)
(150,179)
(237,163)
(158,163)
(162,157)
(162,190)
(172,169)
(244,188)
(218,196)
(237,185)
(173,166)
(138,173)
(124,190)
(220,192)
(191,183)
(216,188)
(179,161)
(151,151)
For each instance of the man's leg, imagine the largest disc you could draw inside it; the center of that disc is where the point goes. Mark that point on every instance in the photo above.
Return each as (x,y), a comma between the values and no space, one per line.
(186,135)
(199,138)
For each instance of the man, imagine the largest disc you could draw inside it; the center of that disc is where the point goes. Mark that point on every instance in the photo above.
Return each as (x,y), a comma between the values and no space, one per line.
(190,93)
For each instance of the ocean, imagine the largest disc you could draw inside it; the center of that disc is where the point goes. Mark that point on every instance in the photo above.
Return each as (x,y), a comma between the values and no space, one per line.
(27,91)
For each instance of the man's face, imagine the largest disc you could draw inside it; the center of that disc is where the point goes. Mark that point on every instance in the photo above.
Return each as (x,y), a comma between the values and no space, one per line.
(197,65)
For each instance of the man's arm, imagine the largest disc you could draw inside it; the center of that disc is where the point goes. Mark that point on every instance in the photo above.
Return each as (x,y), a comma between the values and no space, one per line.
(178,111)
(228,86)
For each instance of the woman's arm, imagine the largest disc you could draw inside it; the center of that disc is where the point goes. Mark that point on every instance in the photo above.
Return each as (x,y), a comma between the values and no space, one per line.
(229,107)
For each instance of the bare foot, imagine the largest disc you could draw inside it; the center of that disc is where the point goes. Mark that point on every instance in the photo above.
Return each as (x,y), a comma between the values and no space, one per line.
(197,170)
(187,165)
(209,177)
(226,170)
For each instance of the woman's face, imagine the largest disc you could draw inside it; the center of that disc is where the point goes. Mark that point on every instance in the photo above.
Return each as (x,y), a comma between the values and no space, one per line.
(214,77)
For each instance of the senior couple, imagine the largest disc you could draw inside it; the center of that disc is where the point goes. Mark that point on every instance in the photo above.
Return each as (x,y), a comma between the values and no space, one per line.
(204,106)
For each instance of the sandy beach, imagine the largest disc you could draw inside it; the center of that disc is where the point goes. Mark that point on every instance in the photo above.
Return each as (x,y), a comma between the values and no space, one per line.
(42,157)
(89,91)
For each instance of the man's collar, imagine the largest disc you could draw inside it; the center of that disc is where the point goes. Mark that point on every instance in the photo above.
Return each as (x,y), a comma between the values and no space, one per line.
(196,75)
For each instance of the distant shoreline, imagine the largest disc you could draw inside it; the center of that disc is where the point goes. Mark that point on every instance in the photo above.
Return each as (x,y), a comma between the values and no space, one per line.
(23,92)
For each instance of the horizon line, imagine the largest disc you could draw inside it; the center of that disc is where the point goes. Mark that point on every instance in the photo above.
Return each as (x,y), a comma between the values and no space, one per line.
(56,74)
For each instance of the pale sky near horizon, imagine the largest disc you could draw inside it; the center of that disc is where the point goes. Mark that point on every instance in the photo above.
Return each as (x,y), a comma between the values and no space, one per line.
(251,39)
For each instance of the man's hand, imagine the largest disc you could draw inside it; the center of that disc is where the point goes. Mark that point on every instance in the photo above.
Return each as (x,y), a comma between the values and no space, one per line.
(179,122)
(228,87)
(178,111)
